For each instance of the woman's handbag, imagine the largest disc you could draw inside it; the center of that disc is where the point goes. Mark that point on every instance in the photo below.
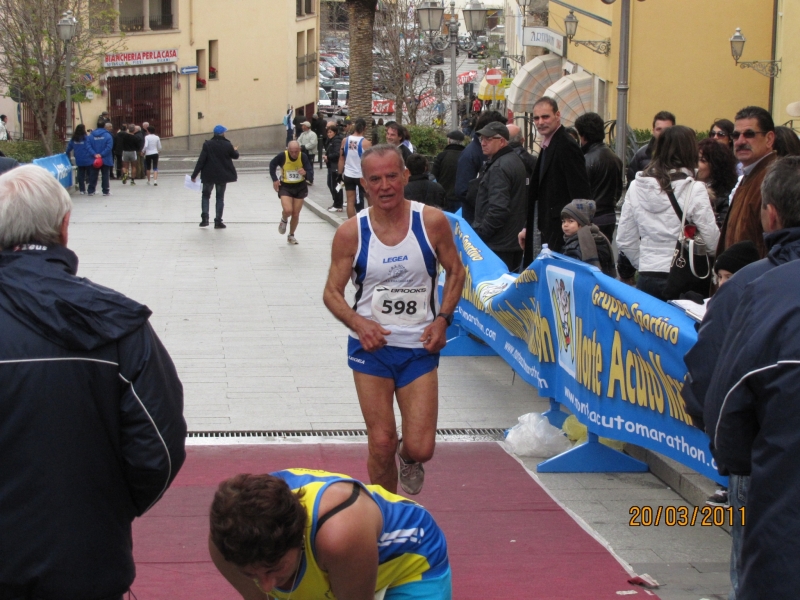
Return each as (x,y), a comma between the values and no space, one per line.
(691,264)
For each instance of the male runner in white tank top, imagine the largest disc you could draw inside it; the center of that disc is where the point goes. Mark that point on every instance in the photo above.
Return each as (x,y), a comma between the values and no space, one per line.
(353,147)
(392,252)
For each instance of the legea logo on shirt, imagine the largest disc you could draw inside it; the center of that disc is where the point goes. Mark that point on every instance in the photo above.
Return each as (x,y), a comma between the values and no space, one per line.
(393,259)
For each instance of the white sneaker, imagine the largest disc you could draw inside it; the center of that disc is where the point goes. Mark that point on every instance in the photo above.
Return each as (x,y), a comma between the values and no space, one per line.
(282,227)
(411,474)
(291,239)
(334,209)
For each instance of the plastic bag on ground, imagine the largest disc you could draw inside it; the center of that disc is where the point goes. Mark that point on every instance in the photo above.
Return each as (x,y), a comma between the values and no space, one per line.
(534,436)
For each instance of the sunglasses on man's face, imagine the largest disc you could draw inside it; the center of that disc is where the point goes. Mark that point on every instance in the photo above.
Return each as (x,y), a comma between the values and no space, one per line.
(719,134)
(749,134)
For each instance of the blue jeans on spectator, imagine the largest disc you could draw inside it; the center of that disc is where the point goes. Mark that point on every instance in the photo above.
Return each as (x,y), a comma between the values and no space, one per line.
(289,136)
(83,177)
(207,187)
(737,497)
(94,173)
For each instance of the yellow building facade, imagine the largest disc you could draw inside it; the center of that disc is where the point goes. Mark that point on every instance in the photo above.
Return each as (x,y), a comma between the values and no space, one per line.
(680,58)
(787,48)
(254,59)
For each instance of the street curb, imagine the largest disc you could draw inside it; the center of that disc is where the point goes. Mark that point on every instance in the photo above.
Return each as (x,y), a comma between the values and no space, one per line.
(323,213)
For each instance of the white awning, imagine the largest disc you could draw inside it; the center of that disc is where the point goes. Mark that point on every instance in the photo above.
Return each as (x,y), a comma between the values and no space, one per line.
(140,70)
(573,94)
(533,78)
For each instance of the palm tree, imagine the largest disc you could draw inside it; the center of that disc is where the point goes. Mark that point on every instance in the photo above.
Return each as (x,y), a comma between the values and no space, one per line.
(362,23)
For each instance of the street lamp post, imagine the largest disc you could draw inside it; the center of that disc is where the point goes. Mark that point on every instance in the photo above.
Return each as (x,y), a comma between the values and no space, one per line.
(430,19)
(622,78)
(66,31)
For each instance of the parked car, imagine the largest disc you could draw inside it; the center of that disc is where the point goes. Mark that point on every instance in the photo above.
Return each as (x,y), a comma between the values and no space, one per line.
(324,104)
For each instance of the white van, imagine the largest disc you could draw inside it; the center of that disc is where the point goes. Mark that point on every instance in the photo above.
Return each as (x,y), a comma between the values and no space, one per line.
(324,104)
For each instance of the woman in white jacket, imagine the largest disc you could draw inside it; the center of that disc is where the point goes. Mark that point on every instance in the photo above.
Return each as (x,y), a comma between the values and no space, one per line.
(649,226)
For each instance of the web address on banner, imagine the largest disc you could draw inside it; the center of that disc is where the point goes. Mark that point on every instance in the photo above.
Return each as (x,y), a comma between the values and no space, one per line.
(516,355)
(489,333)
(618,423)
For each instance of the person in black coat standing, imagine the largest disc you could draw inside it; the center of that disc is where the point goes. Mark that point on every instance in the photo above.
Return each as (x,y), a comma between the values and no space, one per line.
(216,165)
(419,186)
(604,168)
(445,167)
(558,179)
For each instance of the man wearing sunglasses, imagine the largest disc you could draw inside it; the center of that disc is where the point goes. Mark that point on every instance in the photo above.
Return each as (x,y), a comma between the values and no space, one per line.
(753,138)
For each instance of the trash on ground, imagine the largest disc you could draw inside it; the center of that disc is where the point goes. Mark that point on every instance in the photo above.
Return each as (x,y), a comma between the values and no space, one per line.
(534,436)
(644,580)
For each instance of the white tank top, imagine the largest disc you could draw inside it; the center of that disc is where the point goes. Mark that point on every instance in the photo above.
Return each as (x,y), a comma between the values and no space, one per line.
(353,149)
(396,285)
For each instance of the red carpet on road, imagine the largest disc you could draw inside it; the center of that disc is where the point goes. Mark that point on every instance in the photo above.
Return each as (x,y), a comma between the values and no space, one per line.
(507,538)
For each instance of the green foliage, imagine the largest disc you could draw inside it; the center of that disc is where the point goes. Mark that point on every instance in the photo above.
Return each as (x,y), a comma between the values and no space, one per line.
(25,152)
(642,135)
(427,140)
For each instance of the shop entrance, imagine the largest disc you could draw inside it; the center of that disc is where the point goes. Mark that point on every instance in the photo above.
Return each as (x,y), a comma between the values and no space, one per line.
(138,98)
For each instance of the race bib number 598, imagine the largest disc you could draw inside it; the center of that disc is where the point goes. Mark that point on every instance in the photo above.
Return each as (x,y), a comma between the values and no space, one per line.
(400,306)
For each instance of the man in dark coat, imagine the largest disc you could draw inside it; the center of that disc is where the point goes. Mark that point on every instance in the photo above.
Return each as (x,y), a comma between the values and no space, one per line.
(92,430)
(445,167)
(419,186)
(753,143)
(216,165)
(516,141)
(501,202)
(469,163)
(643,156)
(781,221)
(757,384)
(559,178)
(332,151)
(604,169)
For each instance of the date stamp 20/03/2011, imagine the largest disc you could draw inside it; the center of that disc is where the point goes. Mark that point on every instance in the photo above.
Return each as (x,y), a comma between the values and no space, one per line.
(685,516)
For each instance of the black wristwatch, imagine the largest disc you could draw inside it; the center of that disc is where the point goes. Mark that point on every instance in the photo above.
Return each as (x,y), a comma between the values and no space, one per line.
(448,318)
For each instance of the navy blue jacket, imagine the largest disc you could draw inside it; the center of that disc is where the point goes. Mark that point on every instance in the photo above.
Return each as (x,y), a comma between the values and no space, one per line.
(82,150)
(757,386)
(102,143)
(702,359)
(469,163)
(215,164)
(91,428)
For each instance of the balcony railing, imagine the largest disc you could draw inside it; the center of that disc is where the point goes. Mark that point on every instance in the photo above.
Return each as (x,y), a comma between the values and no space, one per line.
(157,22)
(161,22)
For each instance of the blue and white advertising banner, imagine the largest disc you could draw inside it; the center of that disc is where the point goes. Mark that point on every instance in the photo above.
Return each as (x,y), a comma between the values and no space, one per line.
(611,354)
(59,166)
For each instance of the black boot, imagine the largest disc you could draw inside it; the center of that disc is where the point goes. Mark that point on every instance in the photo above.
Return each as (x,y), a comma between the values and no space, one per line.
(204,221)
(218,224)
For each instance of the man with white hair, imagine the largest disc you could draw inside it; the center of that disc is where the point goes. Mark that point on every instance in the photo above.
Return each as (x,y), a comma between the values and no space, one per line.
(92,429)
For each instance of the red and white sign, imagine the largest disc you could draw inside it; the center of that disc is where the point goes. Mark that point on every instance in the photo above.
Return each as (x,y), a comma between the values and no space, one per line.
(493,76)
(466,77)
(383,107)
(143,57)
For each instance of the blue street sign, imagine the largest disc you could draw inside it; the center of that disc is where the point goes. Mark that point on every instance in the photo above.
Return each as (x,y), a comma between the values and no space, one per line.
(189,70)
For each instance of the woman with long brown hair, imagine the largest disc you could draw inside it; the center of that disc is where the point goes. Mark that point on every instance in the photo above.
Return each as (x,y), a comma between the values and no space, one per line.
(650,226)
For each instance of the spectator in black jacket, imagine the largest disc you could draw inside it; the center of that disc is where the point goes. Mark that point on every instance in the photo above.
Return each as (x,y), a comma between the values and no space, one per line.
(131,147)
(502,199)
(332,151)
(216,165)
(642,157)
(516,142)
(469,163)
(92,408)
(445,166)
(604,168)
(780,215)
(117,150)
(419,186)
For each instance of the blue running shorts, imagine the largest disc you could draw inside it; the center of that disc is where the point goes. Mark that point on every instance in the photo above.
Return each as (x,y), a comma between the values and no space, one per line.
(403,365)
(439,588)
